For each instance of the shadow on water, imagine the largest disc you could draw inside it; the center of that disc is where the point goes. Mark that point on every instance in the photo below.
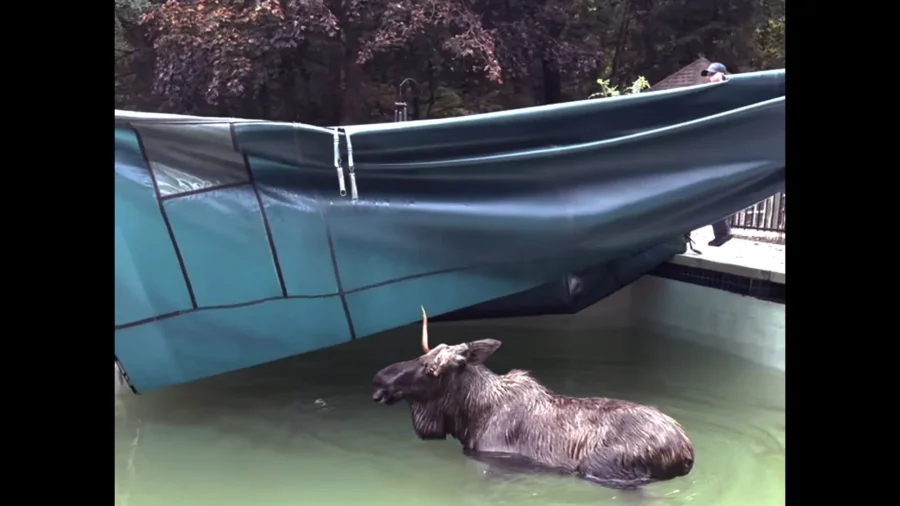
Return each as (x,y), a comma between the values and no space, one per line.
(305,431)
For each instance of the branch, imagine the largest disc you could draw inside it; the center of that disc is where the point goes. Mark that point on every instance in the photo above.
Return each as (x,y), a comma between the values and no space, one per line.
(123,54)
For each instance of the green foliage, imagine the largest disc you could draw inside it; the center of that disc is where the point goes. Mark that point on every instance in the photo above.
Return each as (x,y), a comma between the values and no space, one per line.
(769,41)
(127,16)
(640,84)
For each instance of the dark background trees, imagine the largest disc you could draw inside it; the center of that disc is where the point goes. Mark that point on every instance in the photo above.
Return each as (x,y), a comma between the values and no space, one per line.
(330,62)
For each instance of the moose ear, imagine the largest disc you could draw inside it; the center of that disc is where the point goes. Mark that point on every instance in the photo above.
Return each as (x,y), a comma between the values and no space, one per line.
(479,351)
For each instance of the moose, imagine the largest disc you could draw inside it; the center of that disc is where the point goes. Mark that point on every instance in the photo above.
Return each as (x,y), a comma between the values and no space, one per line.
(513,417)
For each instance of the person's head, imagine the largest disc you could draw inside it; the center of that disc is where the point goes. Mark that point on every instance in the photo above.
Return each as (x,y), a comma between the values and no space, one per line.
(714,73)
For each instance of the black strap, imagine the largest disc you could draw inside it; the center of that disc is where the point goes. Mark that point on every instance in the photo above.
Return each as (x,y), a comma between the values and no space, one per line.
(690,243)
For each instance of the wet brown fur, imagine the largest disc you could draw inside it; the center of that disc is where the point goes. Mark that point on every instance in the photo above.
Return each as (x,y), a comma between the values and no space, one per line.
(616,443)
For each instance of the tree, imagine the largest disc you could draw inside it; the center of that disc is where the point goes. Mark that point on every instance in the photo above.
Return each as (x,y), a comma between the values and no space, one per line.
(340,61)
(134,57)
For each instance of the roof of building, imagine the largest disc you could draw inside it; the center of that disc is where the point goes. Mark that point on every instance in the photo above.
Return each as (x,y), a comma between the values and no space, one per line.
(687,76)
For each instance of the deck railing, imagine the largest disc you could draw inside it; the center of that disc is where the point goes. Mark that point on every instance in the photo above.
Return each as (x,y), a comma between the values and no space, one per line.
(767,215)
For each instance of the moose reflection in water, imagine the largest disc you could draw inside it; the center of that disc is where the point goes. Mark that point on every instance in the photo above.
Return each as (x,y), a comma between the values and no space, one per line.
(515,420)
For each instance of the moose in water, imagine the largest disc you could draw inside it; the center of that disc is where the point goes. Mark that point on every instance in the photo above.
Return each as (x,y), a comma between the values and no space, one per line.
(513,418)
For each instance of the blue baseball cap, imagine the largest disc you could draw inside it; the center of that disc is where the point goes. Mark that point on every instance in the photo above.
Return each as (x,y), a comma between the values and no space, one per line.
(714,68)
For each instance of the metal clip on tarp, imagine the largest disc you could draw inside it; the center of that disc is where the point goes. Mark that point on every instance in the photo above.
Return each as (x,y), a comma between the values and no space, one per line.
(337,163)
(353,193)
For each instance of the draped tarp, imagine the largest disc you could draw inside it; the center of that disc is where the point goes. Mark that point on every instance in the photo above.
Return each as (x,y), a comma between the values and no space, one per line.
(234,246)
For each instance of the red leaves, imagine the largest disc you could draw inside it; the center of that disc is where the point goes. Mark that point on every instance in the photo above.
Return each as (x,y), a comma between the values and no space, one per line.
(453,21)
(221,48)
(228,48)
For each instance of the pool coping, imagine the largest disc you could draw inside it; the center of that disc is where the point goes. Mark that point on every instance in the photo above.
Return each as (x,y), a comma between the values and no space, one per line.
(728,267)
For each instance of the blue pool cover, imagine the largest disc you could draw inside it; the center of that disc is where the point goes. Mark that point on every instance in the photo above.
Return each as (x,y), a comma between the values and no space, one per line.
(239,242)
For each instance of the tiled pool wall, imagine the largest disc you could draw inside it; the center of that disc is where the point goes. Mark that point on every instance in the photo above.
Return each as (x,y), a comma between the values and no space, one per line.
(731,308)
(738,314)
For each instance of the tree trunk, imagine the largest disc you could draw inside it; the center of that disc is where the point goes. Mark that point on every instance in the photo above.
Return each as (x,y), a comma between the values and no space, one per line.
(143,62)
(552,83)
(350,99)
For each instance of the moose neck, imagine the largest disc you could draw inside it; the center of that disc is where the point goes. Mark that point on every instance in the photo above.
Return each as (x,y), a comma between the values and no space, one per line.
(475,393)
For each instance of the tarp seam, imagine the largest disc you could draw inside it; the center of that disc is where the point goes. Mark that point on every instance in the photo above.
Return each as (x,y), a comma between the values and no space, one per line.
(337,276)
(200,191)
(262,209)
(165,217)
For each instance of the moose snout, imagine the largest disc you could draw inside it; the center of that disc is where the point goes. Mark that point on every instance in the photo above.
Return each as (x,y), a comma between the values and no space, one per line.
(384,396)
